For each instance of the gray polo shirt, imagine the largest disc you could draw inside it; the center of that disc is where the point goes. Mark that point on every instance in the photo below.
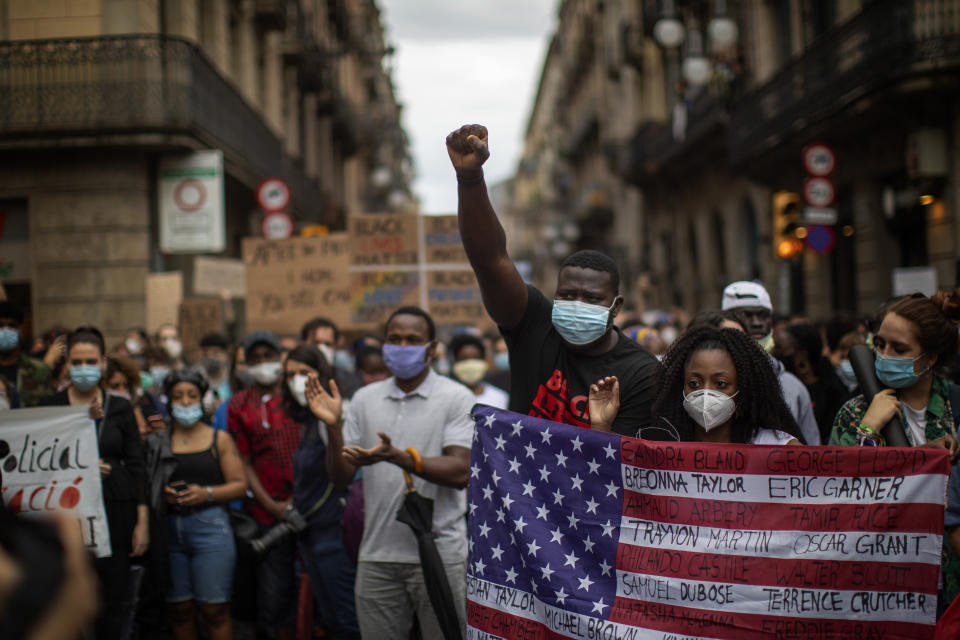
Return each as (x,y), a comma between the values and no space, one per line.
(433,416)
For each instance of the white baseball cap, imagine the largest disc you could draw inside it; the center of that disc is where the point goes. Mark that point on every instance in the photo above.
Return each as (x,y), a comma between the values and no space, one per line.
(744,293)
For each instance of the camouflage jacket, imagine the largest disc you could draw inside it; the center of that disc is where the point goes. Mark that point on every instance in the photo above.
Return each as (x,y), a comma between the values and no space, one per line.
(34,381)
(940,422)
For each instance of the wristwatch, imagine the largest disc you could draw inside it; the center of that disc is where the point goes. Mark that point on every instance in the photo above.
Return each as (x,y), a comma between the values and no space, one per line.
(209,493)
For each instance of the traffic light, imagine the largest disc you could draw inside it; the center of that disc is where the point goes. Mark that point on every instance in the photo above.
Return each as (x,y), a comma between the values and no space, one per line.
(788,231)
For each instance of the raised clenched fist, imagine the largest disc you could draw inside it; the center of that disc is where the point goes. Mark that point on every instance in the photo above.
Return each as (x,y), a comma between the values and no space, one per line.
(468,150)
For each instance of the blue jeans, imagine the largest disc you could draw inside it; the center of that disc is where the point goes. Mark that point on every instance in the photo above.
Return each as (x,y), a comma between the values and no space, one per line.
(202,556)
(331,577)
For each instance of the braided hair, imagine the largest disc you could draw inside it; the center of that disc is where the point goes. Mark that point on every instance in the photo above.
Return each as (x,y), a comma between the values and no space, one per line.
(759,398)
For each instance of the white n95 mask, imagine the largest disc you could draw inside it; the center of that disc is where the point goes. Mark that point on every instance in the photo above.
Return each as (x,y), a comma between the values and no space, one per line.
(709,408)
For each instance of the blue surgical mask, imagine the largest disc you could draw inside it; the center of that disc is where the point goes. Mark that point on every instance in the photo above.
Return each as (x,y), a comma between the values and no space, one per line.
(85,376)
(896,373)
(187,415)
(502,361)
(845,371)
(344,361)
(9,339)
(158,375)
(407,362)
(580,323)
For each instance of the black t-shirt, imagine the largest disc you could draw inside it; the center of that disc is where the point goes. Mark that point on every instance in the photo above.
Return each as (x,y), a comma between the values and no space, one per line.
(9,371)
(120,447)
(548,380)
(827,397)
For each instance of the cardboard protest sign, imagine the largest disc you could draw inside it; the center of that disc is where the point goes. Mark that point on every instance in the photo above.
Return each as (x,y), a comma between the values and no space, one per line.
(197,318)
(216,276)
(50,464)
(577,533)
(290,281)
(164,293)
(441,236)
(384,240)
(374,295)
(454,297)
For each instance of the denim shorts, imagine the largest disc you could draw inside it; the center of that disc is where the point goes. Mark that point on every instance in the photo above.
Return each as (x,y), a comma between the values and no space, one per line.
(202,556)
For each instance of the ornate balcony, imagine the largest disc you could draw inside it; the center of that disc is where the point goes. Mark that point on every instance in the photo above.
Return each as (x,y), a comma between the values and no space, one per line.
(93,87)
(887,42)
(271,14)
(655,151)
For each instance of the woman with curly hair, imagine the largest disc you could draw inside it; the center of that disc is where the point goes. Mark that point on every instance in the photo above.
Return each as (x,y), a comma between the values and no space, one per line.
(715,385)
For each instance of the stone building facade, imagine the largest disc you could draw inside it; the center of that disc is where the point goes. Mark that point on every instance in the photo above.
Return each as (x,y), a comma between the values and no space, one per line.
(875,81)
(94,93)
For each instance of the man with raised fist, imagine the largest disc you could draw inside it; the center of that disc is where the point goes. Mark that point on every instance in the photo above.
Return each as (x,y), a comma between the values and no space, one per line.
(557,348)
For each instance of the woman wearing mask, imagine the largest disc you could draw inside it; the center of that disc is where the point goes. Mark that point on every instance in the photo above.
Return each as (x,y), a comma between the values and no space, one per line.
(844,369)
(915,344)
(208,473)
(159,366)
(800,348)
(714,386)
(215,360)
(470,366)
(121,468)
(123,380)
(168,338)
(309,403)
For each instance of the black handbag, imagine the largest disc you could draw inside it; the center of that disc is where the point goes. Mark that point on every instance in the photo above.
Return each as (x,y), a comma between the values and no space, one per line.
(245,526)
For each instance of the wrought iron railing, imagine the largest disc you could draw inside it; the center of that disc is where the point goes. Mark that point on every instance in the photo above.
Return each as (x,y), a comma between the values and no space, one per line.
(136,84)
(886,41)
(655,146)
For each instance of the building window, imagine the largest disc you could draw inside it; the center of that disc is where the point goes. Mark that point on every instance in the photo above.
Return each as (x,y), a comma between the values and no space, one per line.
(819,16)
(15,256)
(721,245)
(694,252)
(236,55)
(784,22)
(751,240)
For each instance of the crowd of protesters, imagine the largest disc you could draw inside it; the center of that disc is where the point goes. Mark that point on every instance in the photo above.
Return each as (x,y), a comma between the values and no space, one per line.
(257,486)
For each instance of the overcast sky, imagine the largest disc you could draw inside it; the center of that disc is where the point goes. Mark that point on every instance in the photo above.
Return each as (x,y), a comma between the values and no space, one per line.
(460,62)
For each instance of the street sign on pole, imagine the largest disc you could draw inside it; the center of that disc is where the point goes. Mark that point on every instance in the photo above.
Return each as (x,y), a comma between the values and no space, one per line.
(819,160)
(820,239)
(276,225)
(191,203)
(818,192)
(819,215)
(273,194)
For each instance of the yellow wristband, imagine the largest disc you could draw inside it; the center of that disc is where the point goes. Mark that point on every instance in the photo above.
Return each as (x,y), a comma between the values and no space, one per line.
(417,460)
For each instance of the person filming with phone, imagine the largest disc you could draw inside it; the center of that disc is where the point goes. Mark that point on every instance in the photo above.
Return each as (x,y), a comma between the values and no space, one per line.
(208,474)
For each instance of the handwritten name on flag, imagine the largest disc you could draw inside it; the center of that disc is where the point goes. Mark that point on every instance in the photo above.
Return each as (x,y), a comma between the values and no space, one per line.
(581,534)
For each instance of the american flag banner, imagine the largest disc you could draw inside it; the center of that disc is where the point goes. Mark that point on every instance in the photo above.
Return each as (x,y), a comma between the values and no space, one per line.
(581,534)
